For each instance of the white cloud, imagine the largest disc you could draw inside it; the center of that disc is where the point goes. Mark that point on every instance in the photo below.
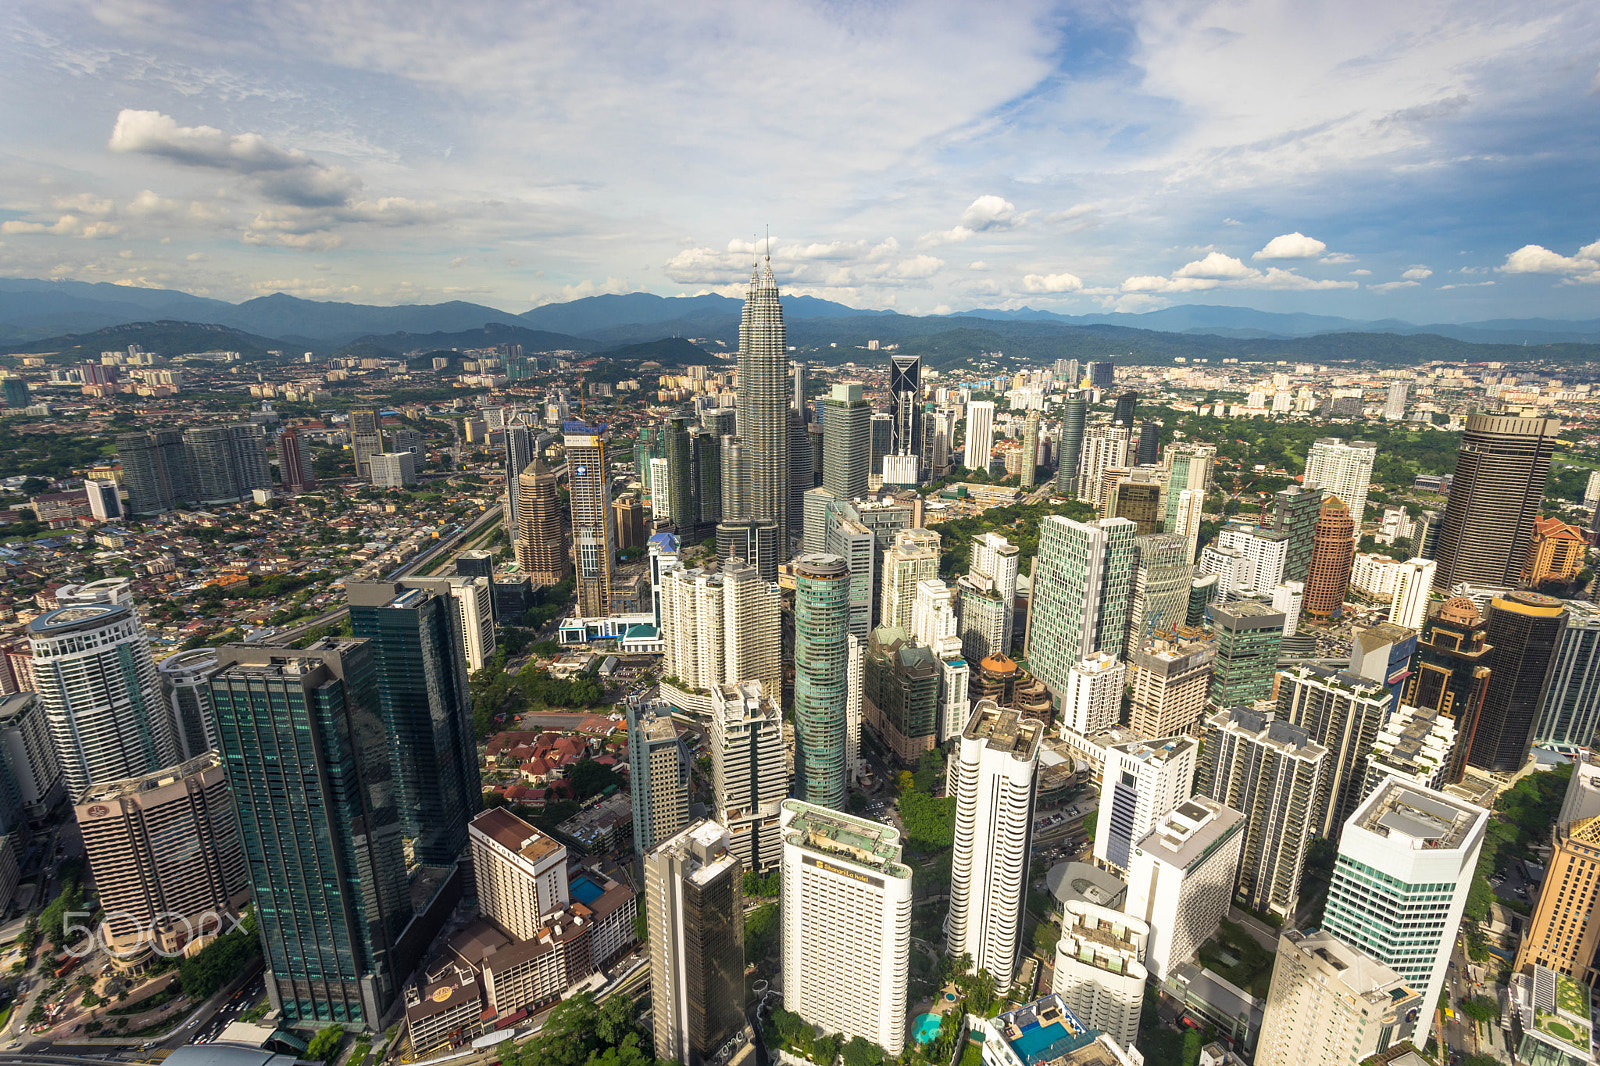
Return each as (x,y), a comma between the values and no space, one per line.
(1276,278)
(1156,283)
(1417,273)
(989,212)
(1467,285)
(64,226)
(1051,283)
(1337,258)
(1294,245)
(1216,265)
(583,289)
(1390,286)
(920,266)
(1537,259)
(1360,273)
(977,264)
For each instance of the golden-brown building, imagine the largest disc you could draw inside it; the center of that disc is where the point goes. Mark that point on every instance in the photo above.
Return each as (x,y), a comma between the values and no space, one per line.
(167,859)
(1565,930)
(1556,554)
(1333,554)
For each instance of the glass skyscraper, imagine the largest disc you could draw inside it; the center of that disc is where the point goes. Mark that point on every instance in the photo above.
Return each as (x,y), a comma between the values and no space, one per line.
(417,654)
(764,403)
(307,756)
(1082,584)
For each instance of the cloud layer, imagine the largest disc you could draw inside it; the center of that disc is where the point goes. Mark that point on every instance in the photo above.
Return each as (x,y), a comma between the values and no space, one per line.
(1076,156)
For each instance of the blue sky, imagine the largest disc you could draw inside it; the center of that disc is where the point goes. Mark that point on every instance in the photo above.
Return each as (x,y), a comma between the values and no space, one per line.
(1432,160)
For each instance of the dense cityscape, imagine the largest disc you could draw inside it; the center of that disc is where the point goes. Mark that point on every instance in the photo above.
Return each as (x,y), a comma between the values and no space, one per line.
(708,705)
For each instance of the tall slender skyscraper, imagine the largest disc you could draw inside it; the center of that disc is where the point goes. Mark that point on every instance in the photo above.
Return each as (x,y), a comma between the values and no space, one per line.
(764,403)
(589,490)
(1332,556)
(1030,451)
(1451,673)
(295,469)
(366,438)
(980,434)
(1525,630)
(419,655)
(541,534)
(905,405)
(303,741)
(1163,572)
(519,453)
(748,771)
(821,661)
(1343,469)
(1073,420)
(1494,500)
(696,914)
(997,760)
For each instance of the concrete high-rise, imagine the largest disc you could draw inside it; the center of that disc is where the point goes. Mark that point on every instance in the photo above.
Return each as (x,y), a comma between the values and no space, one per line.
(846,924)
(155,470)
(366,438)
(1181,879)
(415,633)
(821,622)
(1188,468)
(540,543)
(1270,772)
(1030,450)
(846,442)
(1329,1002)
(296,472)
(913,559)
(521,873)
(1082,582)
(658,768)
(1400,883)
(519,445)
(1163,571)
(1564,933)
(1099,968)
(315,791)
(982,625)
(763,408)
(1143,780)
(1074,417)
(1415,745)
(185,679)
(1343,469)
(589,497)
(1570,711)
(1524,630)
(997,760)
(1343,713)
(166,857)
(980,435)
(1332,557)
(1104,447)
(995,556)
(1394,405)
(1093,700)
(695,910)
(1170,678)
(101,694)
(1494,500)
(1248,635)
(1409,605)
(748,771)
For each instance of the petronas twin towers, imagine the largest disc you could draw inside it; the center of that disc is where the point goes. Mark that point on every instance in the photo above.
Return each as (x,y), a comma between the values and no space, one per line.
(757,529)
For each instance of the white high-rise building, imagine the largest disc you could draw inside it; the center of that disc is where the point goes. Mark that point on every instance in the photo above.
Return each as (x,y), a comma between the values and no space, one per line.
(474,601)
(846,924)
(1188,466)
(980,434)
(1414,581)
(1400,883)
(101,694)
(1093,701)
(997,558)
(1394,406)
(996,763)
(521,873)
(1180,881)
(1330,1003)
(933,625)
(1104,446)
(1099,968)
(855,693)
(748,772)
(1141,782)
(1343,469)
(913,558)
(1248,561)
(717,628)
(393,470)
(660,479)
(1190,512)
(104,501)
(1288,598)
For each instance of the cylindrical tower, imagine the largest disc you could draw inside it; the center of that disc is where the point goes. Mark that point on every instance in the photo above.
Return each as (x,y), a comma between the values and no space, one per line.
(1333,553)
(821,662)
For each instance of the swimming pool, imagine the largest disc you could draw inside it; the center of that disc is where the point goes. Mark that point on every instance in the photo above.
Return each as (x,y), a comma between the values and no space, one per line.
(584,890)
(925,1027)
(1036,1042)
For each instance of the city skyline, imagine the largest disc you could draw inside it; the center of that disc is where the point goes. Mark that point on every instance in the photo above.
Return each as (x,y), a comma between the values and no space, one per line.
(1066,157)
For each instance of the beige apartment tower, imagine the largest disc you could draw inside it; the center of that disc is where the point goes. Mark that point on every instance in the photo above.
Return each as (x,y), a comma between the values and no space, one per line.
(521,872)
(1330,1003)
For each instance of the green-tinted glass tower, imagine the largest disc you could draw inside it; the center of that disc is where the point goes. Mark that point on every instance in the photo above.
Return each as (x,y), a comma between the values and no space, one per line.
(414,631)
(1248,635)
(1082,588)
(821,623)
(1072,425)
(307,757)
(1295,513)
(846,442)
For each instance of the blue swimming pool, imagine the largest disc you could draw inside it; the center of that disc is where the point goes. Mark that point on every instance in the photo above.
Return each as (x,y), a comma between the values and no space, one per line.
(584,890)
(1033,1044)
(925,1028)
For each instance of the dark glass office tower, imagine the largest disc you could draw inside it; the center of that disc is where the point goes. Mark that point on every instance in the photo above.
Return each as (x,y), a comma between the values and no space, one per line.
(307,757)
(1127,402)
(1524,633)
(881,424)
(1494,500)
(1072,423)
(1248,635)
(1294,511)
(1149,444)
(414,631)
(1450,675)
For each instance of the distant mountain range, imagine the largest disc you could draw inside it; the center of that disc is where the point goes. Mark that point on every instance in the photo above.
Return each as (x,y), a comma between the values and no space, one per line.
(60,315)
